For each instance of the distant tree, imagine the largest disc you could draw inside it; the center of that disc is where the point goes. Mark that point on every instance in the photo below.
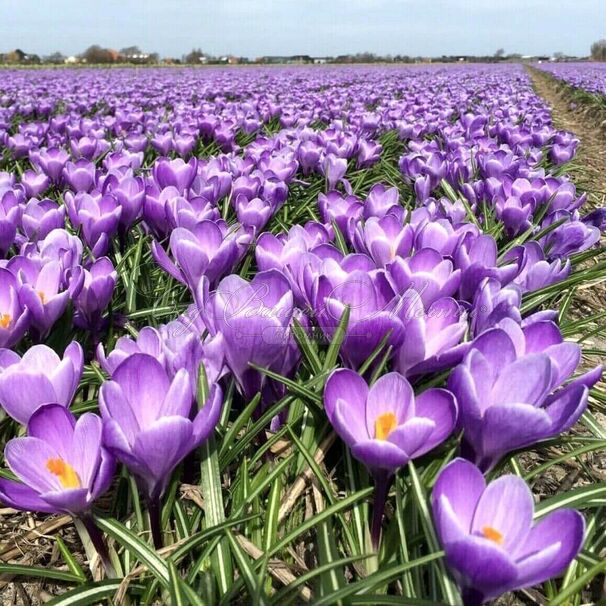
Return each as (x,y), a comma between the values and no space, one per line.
(55,59)
(194,56)
(499,53)
(598,50)
(97,54)
(129,51)
(558,56)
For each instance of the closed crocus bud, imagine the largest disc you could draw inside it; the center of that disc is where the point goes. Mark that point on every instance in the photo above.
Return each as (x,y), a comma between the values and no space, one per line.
(14,316)
(427,273)
(34,183)
(334,169)
(382,200)
(432,337)
(534,271)
(39,377)
(147,422)
(492,545)
(205,251)
(343,210)
(80,175)
(384,239)
(40,217)
(386,426)
(253,318)
(493,303)
(62,465)
(375,309)
(130,194)
(178,173)
(52,161)
(369,153)
(184,144)
(571,237)
(10,217)
(309,154)
(99,219)
(476,257)
(254,213)
(163,143)
(504,388)
(97,290)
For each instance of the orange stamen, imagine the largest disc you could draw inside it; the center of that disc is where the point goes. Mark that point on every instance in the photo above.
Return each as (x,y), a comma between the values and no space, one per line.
(42,297)
(65,472)
(384,425)
(5,320)
(492,535)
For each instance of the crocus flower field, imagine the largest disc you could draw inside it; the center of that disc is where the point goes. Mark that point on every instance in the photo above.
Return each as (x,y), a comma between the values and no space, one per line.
(295,335)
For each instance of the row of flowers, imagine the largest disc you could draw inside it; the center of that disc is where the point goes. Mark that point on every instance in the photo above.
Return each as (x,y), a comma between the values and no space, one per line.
(414,281)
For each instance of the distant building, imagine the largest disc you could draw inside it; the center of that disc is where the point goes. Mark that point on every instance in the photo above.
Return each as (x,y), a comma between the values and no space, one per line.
(321,60)
(72,60)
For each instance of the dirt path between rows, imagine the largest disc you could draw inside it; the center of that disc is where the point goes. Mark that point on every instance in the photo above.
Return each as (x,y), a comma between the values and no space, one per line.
(591,153)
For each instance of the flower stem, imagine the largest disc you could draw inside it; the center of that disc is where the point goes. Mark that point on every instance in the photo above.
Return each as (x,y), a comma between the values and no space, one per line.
(155,524)
(96,539)
(382,483)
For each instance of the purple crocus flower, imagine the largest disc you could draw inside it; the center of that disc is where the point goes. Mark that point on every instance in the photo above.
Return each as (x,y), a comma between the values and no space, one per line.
(14,316)
(80,175)
(343,210)
(178,173)
(505,389)
(426,273)
(385,426)
(384,239)
(432,338)
(42,292)
(62,464)
(97,290)
(40,217)
(39,377)
(487,532)
(34,183)
(208,250)
(147,421)
(253,318)
(10,217)
(334,169)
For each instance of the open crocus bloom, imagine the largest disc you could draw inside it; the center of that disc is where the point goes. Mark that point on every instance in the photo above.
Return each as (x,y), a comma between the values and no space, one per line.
(61,464)
(385,425)
(487,533)
(39,377)
(146,419)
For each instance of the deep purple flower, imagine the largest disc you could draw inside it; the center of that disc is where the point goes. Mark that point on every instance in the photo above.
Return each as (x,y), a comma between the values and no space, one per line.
(432,337)
(210,249)
(97,290)
(487,531)
(253,318)
(62,464)
(146,420)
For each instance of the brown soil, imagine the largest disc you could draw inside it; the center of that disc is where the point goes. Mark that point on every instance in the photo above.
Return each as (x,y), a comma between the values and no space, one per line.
(587,124)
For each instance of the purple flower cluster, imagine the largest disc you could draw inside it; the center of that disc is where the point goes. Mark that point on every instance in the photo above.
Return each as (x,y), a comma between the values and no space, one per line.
(254,195)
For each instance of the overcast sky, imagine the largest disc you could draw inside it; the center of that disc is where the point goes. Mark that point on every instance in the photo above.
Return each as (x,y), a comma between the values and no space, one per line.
(316,27)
